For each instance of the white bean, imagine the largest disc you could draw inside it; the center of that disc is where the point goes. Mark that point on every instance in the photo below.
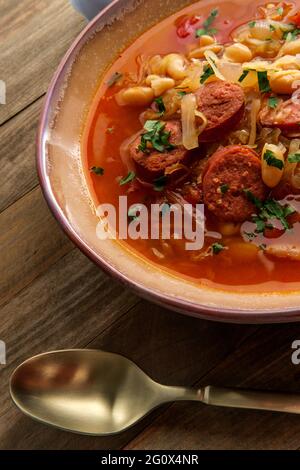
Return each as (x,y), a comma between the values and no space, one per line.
(282,82)
(238,53)
(160,84)
(206,40)
(175,66)
(135,96)
(272,155)
(199,52)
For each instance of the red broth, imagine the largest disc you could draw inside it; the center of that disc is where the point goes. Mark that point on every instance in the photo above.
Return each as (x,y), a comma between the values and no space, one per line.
(241,267)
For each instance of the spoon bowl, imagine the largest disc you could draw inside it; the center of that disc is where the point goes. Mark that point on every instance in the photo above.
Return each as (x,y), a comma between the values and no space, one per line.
(86,391)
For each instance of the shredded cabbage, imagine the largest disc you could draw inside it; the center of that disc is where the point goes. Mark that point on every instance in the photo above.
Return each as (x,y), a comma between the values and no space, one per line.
(256,104)
(188,117)
(213,60)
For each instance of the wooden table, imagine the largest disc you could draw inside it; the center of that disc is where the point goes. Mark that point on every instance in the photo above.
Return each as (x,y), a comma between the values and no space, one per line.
(52,297)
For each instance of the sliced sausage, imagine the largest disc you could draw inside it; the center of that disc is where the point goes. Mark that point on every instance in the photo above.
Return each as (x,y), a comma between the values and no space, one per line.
(284,189)
(223,105)
(229,172)
(286,116)
(153,165)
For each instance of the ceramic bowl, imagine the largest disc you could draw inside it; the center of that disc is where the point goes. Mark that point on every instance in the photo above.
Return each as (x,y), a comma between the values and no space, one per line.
(59,167)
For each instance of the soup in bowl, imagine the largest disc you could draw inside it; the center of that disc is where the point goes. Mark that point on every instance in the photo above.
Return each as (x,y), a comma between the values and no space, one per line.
(169,150)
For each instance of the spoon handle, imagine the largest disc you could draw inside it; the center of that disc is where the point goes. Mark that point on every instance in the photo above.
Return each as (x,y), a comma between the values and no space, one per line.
(284,402)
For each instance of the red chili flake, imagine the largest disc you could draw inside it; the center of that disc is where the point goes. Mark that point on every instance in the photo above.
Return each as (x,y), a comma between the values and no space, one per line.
(273,232)
(296,19)
(185,24)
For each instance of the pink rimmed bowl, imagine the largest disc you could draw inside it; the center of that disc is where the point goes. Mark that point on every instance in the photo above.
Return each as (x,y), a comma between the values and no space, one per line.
(59,166)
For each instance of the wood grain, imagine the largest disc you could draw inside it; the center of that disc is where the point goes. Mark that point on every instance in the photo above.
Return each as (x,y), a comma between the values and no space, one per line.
(262,362)
(30,242)
(64,308)
(18,175)
(171,348)
(34,35)
(52,297)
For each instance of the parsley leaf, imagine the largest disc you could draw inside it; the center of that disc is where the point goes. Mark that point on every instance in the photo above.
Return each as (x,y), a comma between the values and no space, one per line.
(273,102)
(133,210)
(252,24)
(224,188)
(217,248)
(114,79)
(257,202)
(271,160)
(294,158)
(263,81)
(165,208)
(155,137)
(268,210)
(97,170)
(244,75)
(127,179)
(291,35)
(160,105)
(280,11)
(206,27)
(207,72)
(182,93)
(160,183)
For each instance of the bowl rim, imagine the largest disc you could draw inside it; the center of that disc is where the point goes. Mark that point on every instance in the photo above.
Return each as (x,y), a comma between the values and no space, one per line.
(245,316)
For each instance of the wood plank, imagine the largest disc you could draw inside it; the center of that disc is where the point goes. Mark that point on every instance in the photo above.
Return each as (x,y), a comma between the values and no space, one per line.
(64,308)
(172,348)
(262,362)
(30,242)
(34,35)
(18,175)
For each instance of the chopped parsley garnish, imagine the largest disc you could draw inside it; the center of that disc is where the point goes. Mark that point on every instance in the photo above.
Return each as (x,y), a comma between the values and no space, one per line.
(207,72)
(252,24)
(165,208)
(182,93)
(160,105)
(114,79)
(272,160)
(160,183)
(97,170)
(217,248)
(127,179)
(273,102)
(206,27)
(250,235)
(272,28)
(291,35)
(269,210)
(294,158)
(244,75)
(257,202)
(280,11)
(133,210)
(224,188)
(263,81)
(155,137)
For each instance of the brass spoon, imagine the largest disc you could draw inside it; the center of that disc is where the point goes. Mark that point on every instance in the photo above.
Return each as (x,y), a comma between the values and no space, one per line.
(100,393)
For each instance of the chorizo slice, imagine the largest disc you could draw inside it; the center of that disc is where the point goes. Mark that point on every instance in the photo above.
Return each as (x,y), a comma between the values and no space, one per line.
(152,164)
(223,105)
(286,116)
(229,174)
